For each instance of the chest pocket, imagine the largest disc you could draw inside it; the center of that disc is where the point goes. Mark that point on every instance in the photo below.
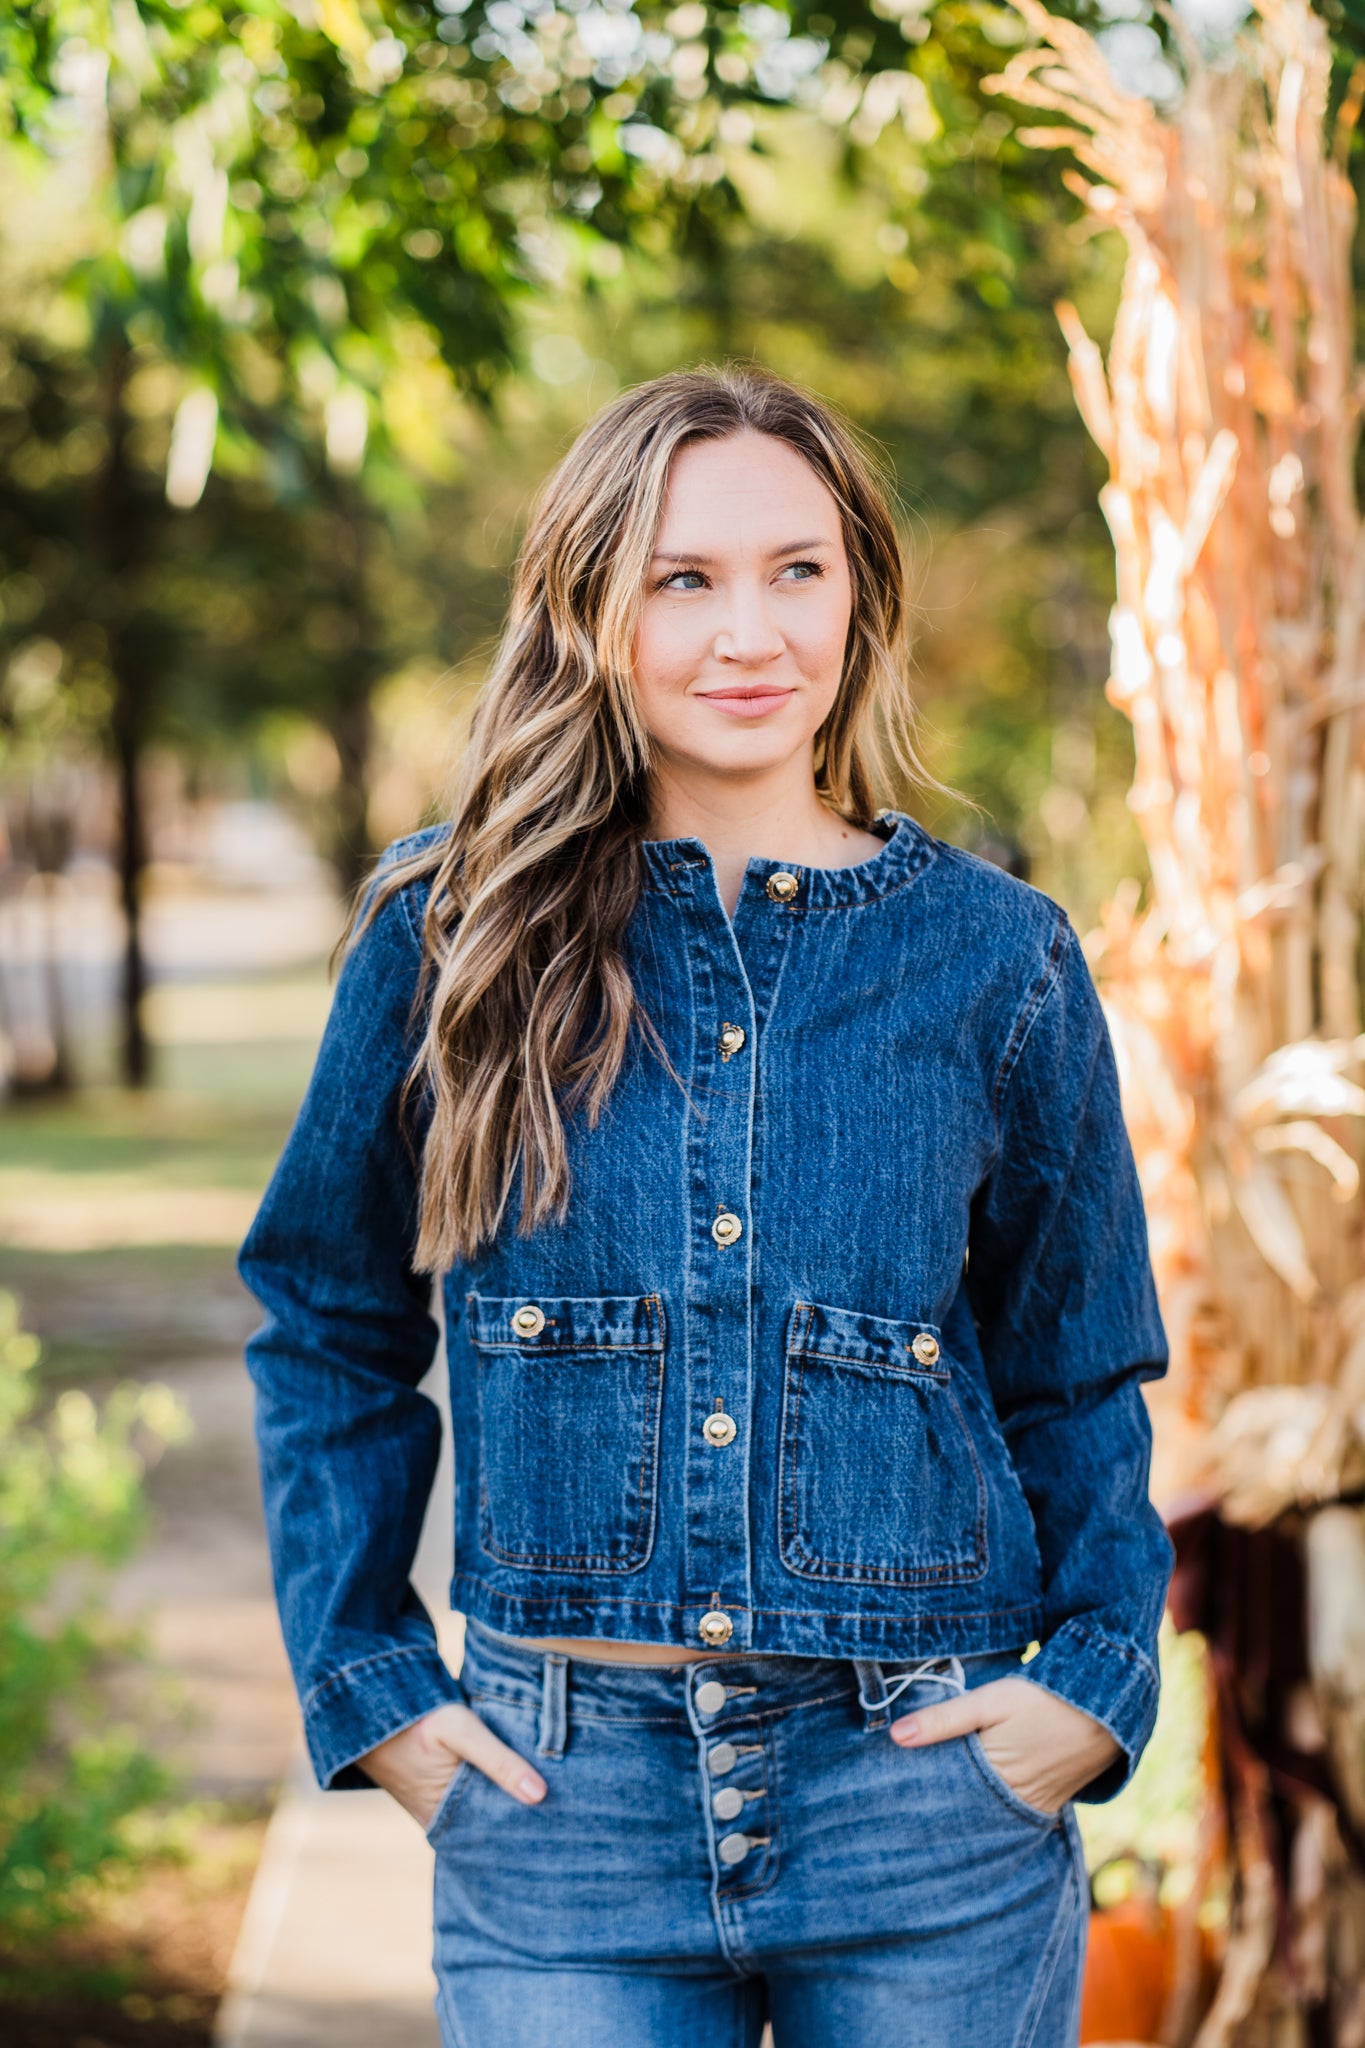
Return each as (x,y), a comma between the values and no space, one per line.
(879,1479)
(570,1392)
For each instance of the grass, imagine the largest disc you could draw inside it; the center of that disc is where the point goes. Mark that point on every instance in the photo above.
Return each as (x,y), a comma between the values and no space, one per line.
(121,1209)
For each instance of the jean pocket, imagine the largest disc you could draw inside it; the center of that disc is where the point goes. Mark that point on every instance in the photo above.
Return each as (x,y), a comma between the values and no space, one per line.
(570,1398)
(879,1481)
(1001,1789)
(451,1798)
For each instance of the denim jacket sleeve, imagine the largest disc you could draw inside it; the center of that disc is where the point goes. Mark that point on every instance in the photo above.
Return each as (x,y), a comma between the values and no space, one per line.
(348,1446)
(1062,1293)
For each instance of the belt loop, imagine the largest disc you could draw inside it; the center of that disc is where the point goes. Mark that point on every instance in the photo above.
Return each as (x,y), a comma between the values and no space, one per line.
(872,1686)
(554,1716)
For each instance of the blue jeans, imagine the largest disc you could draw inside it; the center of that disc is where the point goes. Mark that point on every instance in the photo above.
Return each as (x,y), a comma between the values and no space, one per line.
(740,1840)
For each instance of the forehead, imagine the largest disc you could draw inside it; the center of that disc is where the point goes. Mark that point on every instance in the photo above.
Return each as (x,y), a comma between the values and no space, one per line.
(748,484)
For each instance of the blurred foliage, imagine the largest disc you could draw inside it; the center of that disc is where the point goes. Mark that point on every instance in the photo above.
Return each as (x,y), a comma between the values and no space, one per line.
(72,1787)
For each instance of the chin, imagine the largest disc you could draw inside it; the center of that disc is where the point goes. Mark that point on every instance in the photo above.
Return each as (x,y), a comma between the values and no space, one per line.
(746,760)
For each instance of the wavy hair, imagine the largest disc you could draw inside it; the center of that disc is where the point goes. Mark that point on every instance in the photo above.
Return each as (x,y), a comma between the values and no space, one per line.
(531,1002)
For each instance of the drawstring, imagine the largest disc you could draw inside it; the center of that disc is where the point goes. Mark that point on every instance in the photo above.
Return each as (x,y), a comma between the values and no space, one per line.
(943,1670)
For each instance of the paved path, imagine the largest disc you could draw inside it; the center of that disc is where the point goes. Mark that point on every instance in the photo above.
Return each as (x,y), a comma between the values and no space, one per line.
(203,1585)
(333,1951)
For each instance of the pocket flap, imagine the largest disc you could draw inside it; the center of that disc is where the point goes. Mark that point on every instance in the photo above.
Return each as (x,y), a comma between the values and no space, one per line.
(849,1337)
(597,1322)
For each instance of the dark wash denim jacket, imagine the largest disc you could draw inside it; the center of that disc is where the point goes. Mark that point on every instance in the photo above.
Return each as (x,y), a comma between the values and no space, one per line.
(928,1328)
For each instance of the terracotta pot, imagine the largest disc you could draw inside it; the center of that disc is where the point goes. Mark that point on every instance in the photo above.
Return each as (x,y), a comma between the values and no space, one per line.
(1127,1972)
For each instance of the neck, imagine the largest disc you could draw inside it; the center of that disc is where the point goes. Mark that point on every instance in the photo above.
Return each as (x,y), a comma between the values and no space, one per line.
(777,823)
(773,819)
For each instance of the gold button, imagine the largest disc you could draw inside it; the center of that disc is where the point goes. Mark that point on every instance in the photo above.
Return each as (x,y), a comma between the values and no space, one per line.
(782,886)
(726,1228)
(528,1321)
(925,1348)
(719,1429)
(715,1627)
(731,1039)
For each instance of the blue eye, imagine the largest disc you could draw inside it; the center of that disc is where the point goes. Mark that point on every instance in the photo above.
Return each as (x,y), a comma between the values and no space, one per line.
(693,578)
(809,569)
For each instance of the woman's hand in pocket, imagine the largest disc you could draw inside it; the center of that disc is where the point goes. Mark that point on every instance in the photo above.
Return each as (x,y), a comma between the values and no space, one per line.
(418,1763)
(1043,1748)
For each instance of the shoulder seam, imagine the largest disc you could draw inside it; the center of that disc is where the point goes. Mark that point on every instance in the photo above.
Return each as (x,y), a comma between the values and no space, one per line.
(395,850)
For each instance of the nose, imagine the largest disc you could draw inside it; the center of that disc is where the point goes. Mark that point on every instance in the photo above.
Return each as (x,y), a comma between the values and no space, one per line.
(748,638)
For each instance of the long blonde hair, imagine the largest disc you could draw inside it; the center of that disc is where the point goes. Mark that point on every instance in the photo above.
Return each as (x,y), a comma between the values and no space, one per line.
(531,891)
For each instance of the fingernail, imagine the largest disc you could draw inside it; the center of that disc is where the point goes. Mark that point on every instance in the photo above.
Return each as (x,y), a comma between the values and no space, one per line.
(531,1787)
(905,1731)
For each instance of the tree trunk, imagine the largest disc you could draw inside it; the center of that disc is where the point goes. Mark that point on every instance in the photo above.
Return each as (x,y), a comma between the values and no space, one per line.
(132,856)
(119,547)
(352,730)
(351,719)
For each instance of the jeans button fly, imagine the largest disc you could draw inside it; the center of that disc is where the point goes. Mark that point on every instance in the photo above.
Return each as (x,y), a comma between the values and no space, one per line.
(721,1759)
(710,1697)
(728,1803)
(733,1848)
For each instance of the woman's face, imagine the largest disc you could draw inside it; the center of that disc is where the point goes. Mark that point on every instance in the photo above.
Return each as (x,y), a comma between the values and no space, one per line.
(740,648)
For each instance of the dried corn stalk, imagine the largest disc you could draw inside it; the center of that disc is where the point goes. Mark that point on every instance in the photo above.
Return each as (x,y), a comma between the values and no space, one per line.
(1228,411)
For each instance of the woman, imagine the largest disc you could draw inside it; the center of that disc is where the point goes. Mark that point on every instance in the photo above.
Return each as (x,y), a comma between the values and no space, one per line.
(796,1298)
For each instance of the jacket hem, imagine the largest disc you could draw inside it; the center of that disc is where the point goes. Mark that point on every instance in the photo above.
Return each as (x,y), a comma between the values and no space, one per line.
(774,1631)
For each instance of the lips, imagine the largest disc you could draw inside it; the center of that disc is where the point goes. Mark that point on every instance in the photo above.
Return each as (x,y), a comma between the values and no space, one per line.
(747,701)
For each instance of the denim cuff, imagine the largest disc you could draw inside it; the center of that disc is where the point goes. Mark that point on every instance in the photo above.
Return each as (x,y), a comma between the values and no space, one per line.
(1109,1679)
(366,1702)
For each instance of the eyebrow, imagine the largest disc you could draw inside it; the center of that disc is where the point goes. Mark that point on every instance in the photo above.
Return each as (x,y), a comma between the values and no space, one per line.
(791,547)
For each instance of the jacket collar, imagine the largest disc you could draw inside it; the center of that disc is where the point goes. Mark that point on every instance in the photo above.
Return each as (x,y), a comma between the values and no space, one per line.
(671,864)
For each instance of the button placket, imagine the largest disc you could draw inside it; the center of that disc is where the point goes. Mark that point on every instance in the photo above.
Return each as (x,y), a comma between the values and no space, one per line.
(736,1778)
(717,1513)
(734,972)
